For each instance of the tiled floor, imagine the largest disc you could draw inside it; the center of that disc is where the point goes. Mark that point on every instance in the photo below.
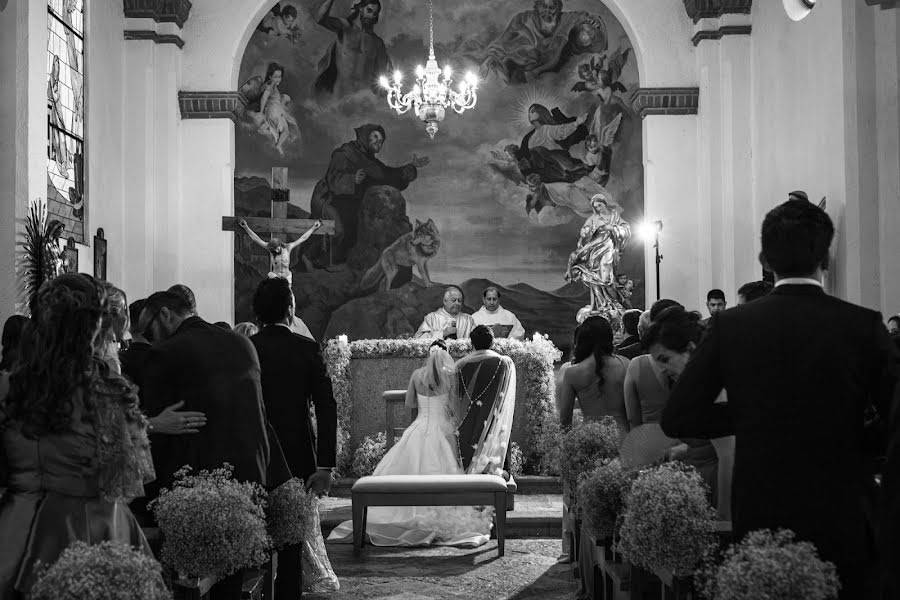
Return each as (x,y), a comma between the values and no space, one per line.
(528,571)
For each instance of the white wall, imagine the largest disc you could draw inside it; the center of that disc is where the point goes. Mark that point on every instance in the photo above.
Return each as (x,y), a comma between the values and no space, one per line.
(823,122)
(23,125)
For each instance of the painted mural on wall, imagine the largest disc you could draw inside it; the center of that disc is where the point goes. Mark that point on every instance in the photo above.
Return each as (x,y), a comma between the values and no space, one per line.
(502,195)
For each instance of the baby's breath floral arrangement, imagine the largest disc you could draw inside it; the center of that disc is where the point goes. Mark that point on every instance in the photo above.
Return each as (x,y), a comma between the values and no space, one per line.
(601,498)
(212,524)
(369,454)
(582,447)
(534,360)
(105,571)
(668,522)
(516,460)
(772,565)
(289,513)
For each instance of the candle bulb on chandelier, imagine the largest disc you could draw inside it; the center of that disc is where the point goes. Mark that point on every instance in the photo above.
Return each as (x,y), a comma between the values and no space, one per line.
(398,77)
(383,81)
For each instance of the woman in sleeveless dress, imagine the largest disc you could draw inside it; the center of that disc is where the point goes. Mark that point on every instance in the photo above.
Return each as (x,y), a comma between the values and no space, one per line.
(596,377)
(74,442)
(671,339)
(427,447)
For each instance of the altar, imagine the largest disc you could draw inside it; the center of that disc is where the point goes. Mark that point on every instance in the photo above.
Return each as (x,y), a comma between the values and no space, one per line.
(362,370)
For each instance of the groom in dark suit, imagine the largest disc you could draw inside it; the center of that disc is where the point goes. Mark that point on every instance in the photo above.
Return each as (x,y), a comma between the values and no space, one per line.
(293,376)
(800,368)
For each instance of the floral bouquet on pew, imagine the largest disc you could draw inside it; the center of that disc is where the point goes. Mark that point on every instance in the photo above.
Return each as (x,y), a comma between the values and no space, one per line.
(293,518)
(369,454)
(582,447)
(668,523)
(212,525)
(601,498)
(106,571)
(771,565)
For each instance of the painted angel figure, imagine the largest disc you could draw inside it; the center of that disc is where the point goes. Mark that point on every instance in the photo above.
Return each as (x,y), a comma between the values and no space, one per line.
(281,21)
(600,244)
(267,107)
(601,77)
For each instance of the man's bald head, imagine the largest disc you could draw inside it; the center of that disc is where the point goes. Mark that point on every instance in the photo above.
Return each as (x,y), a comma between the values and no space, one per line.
(453,299)
(643,323)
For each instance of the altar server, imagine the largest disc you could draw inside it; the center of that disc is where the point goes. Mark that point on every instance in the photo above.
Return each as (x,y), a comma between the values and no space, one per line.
(448,322)
(501,321)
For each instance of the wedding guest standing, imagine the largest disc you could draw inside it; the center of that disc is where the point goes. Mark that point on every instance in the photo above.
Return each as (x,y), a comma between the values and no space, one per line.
(635,349)
(293,376)
(715,303)
(753,291)
(670,340)
(596,377)
(133,357)
(114,326)
(12,335)
(800,368)
(502,322)
(211,371)
(630,319)
(74,443)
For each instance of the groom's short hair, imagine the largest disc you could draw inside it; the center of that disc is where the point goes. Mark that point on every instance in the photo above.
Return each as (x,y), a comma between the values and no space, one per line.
(482,337)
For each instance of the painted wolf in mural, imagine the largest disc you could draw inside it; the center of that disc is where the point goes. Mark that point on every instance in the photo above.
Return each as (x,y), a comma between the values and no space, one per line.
(413,248)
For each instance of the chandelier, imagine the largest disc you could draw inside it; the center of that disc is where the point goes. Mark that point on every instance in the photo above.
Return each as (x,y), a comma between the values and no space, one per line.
(431,95)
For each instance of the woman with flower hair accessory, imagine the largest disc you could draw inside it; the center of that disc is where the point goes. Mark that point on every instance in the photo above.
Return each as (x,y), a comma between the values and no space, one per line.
(75,447)
(427,447)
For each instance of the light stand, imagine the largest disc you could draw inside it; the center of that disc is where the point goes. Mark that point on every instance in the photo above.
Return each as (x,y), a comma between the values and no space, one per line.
(659,256)
(649,230)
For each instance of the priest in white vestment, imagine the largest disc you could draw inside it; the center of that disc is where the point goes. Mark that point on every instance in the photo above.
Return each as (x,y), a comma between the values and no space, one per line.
(448,322)
(501,322)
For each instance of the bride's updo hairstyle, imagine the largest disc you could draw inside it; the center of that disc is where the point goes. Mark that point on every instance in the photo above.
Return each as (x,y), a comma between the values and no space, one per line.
(674,328)
(438,367)
(56,356)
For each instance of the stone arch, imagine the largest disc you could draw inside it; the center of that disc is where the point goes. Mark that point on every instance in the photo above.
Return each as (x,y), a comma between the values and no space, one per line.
(660,33)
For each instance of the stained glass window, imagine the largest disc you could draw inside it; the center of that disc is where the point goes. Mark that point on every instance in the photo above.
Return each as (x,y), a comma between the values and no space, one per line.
(66,199)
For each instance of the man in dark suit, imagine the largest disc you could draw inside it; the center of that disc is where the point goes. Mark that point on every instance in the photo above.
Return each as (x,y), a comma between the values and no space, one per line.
(293,375)
(800,368)
(212,371)
(630,320)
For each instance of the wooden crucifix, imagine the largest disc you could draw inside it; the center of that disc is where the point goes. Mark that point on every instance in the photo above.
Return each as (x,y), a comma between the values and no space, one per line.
(278,225)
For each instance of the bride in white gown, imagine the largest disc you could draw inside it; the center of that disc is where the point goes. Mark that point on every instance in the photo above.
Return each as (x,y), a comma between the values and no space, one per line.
(428,447)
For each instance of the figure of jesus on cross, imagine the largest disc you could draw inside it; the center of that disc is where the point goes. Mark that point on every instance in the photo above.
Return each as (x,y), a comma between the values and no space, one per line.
(279,252)
(279,225)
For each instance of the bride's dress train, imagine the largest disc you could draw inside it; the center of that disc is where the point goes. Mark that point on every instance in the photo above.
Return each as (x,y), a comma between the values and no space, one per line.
(427,447)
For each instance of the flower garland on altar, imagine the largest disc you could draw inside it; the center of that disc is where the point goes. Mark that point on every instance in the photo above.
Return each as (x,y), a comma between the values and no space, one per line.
(534,360)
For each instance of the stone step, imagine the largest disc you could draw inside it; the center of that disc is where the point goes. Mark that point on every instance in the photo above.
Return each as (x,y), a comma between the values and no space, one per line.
(535,515)
(527,484)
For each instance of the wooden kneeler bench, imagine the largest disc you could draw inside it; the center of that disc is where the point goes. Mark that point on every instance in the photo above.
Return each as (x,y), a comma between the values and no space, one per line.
(430,490)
